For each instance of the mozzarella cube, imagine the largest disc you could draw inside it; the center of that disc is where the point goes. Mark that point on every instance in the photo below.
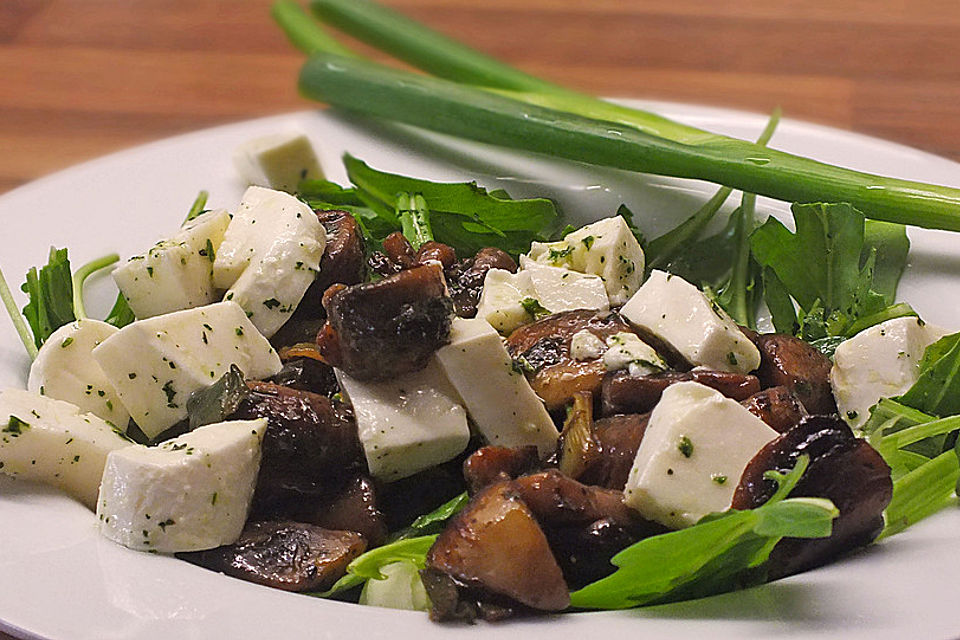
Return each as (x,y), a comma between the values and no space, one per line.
(879,362)
(692,455)
(628,351)
(187,494)
(65,370)
(279,161)
(51,441)
(606,248)
(502,299)
(503,406)
(559,289)
(408,424)
(678,313)
(176,273)
(269,257)
(585,345)
(155,364)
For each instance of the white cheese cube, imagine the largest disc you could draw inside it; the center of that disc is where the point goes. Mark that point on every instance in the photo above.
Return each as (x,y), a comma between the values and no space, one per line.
(585,345)
(155,364)
(409,424)
(606,248)
(628,351)
(692,455)
(51,441)
(503,406)
(502,297)
(270,255)
(65,370)
(187,494)
(176,273)
(279,161)
(879,362)
(558,289)
(678,313)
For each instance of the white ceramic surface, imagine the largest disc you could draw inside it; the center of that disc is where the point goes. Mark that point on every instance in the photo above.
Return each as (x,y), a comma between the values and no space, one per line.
(58,580)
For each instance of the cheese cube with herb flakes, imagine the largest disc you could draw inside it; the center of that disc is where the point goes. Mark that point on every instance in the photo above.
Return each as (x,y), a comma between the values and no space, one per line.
(408,424)
(507,300)
(176,273)
(628,351)
(692,455)
(270,256)
(53,442)
(186,494)
(279,161)
(560,289)
(678,313)
(498,398)
(65,370)
(606,248)
(155,364)
(880,362)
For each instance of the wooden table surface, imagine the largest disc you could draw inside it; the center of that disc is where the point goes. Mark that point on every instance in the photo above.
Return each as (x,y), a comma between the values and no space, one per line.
(81,78)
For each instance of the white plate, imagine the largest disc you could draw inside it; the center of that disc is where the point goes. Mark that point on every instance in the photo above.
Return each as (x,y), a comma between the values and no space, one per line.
(59,580)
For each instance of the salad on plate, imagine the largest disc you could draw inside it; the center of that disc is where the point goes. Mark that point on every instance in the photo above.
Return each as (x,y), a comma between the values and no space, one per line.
(432,396)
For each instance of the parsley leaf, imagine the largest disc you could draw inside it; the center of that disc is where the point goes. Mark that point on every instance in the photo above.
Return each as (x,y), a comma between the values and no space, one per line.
(51,296)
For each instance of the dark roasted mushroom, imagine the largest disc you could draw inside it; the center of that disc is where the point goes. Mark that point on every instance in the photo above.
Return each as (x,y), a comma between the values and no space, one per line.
(352,508)
(544,347)
(307,374)
(343,261)
(625,393)
(494,546)
(843,468)
(465,278)
(381,330)
(287,555)
(489,465)
(795,364)
(619,439)
(309,439)
(777,406)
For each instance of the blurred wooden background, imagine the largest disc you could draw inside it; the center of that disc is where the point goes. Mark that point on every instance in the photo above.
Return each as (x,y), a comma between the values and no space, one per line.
(80,78)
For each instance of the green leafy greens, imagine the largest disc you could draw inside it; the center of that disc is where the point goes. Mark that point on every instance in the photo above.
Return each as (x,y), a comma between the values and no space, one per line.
(721,552)
(842,278)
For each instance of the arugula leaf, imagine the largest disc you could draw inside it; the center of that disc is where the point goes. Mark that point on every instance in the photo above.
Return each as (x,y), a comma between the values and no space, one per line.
(922,492)
(51,296)
(830,268)
(327,193)
(937,390)
(741,290)
(717,554)
(367,566)
(624,212)
(463,215)
(121,314)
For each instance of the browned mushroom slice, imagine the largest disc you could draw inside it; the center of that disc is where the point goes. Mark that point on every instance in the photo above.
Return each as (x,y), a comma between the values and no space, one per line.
(307,374)
(843,468)
(352,508)
(495,546)
(465,278)
(489,465)
(777,406)
(544,347)
(381,330)
(343,260)
(792,363)
(286,555)
(309,438)
(619,438)
(556,499)
(625,393)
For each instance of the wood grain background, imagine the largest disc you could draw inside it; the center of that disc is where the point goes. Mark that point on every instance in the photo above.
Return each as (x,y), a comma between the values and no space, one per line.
(80,78)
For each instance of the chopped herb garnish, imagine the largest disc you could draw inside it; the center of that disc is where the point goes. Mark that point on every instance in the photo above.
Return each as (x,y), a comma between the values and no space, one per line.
(685,446)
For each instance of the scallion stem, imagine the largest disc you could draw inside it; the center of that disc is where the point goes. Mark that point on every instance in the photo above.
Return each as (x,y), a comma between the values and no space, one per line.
(80,276)
(18,322)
